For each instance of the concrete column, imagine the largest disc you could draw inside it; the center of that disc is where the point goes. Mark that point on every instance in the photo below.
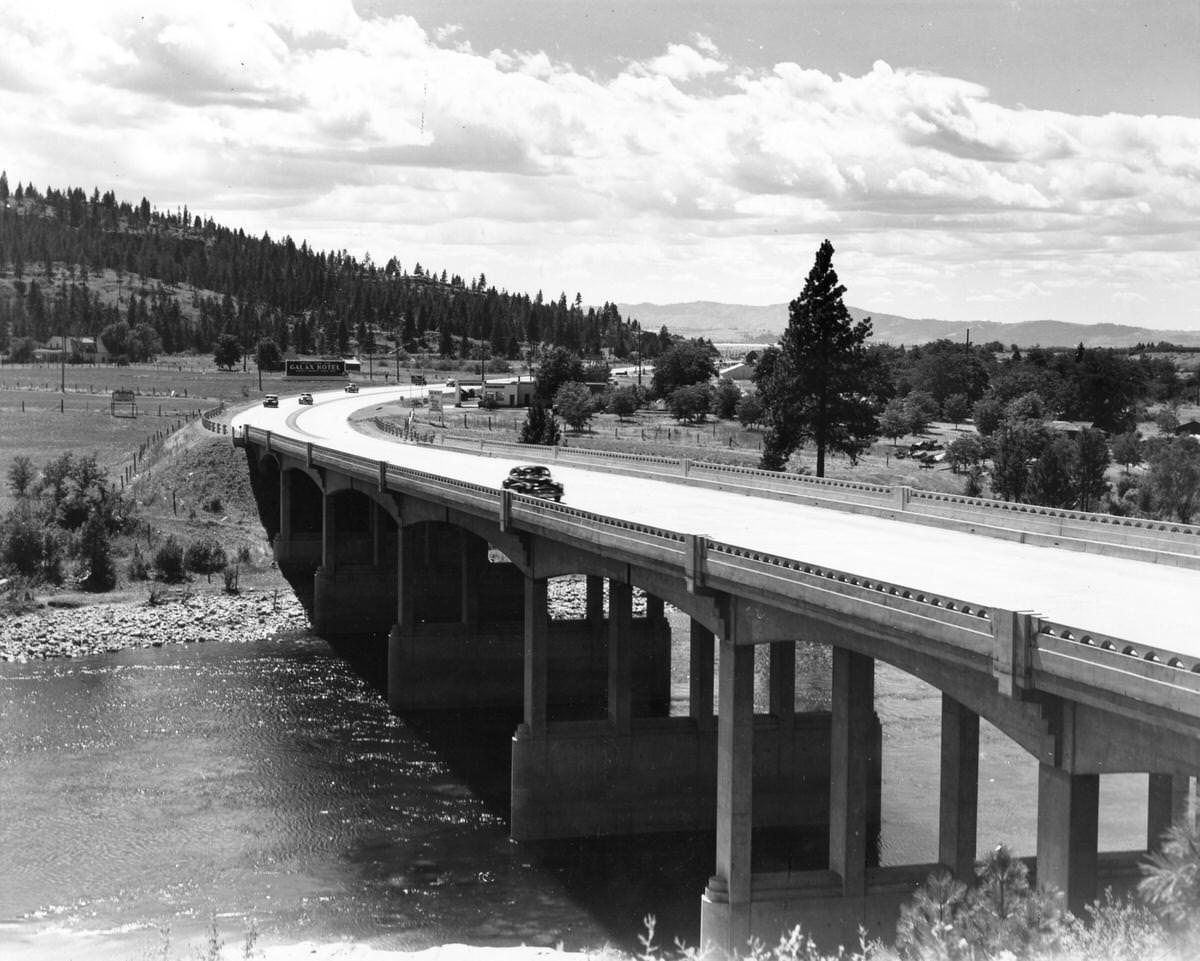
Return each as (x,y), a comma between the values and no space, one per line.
(700,676)
(782,683)
(376,513)
(285,507)
(595,599)
(620,656)
(470,557)
(654,608)
(1168,801)
(328,533)
(1068,833)
(403,627)
(537,654)
(850,768)
(735,773)
(959,804)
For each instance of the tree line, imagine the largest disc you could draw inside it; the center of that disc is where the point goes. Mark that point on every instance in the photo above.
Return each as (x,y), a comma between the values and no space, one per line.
(191,280)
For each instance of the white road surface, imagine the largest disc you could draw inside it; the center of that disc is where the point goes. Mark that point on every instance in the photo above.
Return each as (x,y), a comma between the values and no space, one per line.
(1138,602)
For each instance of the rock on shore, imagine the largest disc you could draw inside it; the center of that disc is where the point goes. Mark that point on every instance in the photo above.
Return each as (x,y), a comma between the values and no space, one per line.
(100,628)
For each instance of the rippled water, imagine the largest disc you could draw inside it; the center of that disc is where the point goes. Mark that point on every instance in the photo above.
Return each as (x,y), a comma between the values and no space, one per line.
(266,783)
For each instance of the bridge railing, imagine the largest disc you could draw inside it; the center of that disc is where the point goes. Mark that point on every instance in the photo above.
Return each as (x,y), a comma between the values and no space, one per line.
(1152,674)
(1163,542)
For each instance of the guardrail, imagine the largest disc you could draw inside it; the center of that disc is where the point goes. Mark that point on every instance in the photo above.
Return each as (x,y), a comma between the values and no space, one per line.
(1117,668)
(209,419)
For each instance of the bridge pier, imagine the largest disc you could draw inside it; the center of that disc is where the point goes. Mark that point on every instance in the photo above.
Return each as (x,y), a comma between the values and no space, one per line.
(354,588)
(958,813)
(1167,803)
(635,769)
(740,903)
(1068,833)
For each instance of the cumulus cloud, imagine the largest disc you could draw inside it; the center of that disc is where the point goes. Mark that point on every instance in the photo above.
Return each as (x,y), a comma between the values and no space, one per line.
(721,179)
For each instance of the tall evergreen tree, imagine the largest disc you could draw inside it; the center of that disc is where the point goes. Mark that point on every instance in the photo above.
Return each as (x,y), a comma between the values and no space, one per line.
(816,384)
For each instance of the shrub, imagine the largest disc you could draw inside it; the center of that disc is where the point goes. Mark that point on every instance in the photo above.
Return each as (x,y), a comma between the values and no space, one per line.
(23,544)
(230,576)
(95,551)
(540,427)
(204,556)
(20,475)
(138,569)
(213,504)
(168,560)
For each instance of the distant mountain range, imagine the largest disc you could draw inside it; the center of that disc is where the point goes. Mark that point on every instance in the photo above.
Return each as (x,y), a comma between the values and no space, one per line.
(739,323)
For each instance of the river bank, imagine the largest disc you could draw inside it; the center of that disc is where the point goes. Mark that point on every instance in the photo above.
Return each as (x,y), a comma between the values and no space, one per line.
(186,618)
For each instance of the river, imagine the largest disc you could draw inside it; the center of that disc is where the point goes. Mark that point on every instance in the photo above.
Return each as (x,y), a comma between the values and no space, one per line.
(265,785)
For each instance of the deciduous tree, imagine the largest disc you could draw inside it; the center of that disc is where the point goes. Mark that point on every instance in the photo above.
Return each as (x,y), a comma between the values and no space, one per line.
(685,362)
(1174,477)
(690,404)
(227,352)
(573,403)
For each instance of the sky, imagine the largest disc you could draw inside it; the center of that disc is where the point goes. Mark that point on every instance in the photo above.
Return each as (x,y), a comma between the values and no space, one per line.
(997,160)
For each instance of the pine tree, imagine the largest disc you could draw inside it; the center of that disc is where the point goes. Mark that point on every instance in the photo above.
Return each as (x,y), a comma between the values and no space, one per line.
(816,384)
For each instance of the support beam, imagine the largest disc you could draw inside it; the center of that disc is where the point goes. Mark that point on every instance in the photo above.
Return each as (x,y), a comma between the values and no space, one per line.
(959,804)
(620,656)
(850,768)
(537,654)
(1068,833)
(1168,803)
(700,675)
(735,773)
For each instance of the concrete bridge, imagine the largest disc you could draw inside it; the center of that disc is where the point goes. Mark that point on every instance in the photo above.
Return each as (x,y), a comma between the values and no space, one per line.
(1073,634)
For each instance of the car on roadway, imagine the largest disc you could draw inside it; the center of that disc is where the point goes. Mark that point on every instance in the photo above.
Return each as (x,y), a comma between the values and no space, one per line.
(351,388)
(533,480)
(306,398)
(271,400)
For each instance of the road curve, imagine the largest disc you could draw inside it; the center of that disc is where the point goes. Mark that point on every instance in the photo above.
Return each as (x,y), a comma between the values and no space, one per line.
(1138,602)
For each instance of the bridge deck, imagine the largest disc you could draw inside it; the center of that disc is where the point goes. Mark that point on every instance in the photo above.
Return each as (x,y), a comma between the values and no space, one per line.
(1137,602)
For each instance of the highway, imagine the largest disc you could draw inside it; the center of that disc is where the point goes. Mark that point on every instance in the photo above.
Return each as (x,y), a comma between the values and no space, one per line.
(1132,600)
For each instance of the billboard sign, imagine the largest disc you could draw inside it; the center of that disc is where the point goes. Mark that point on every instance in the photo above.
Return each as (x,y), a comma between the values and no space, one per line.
(314,368)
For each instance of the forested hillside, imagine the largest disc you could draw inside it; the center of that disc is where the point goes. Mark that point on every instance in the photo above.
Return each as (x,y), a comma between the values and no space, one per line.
(75,263)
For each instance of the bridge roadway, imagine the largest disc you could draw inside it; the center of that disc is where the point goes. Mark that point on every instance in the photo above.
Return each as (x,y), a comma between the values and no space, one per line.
(1146,606)
(1103,676)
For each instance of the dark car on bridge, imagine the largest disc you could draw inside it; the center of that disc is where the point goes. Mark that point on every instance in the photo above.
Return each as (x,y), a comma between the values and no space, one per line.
(533,480)
(271,400)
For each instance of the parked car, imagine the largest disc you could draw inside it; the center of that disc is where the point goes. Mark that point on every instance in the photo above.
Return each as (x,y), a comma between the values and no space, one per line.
(271,400)
(306,398)
(535,481)
(351,388)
